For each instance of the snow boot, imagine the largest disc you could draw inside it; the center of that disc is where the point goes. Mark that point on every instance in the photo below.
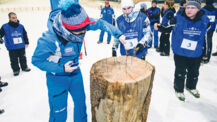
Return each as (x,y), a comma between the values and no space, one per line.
(180,96)
(16,73)
(2,111)
(194,92)
(27,69)
(3,84)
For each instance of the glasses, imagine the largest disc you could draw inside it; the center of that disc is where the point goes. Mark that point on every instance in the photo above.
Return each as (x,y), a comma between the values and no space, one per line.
(127,8)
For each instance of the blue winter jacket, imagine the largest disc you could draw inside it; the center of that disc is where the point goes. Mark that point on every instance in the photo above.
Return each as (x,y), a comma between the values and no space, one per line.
(154,15)
(188,36)
(50,54)
(107,14)
(14,37)
(212,15)
(138,29)
(165,19)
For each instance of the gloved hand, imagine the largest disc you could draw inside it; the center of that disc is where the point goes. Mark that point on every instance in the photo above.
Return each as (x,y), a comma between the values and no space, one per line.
(139,47)
(1,41)
(114,53)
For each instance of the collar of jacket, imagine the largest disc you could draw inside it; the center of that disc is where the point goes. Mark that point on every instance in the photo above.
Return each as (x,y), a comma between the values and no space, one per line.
(14,24)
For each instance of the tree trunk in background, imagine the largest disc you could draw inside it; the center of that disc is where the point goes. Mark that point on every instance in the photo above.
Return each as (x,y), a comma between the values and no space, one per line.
(121,89)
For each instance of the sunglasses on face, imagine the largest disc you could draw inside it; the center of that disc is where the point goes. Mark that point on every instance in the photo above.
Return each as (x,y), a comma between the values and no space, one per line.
(127,8)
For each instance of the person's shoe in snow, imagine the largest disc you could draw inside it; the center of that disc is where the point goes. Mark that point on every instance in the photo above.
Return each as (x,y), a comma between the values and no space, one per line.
(2,111)
(180,96)
(0,90)
(99,42)
(3,84)
(214,54)
(164,54)
(27,69)
(16,73)
(194,92)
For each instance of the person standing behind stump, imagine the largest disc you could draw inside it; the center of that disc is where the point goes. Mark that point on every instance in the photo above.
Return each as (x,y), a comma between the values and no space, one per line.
(16,41)
(107,14)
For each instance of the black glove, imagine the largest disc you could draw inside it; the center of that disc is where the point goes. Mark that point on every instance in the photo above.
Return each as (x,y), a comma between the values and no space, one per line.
(139,47)
(114,53)
(1,41)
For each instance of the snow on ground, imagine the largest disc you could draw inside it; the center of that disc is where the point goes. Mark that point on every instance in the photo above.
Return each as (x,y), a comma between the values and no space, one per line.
(25,99)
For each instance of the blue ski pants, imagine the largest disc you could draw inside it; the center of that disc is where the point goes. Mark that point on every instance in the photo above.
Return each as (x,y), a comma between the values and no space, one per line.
(58,89)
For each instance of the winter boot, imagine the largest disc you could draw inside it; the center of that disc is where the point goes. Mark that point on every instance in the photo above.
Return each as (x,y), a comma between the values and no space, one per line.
(214,54)
(164,54)
(27,69)
(194,92)
(3,84)
(2,111)
(180,96)
(16,73)
(0,90)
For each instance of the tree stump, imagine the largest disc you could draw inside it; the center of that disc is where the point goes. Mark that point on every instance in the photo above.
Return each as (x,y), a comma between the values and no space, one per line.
(121,89)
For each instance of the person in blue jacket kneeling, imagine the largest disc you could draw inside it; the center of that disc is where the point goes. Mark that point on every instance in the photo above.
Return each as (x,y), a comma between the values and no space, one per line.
(57,53)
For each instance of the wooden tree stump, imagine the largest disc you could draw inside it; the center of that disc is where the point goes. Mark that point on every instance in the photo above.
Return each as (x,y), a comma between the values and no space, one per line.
(121,89)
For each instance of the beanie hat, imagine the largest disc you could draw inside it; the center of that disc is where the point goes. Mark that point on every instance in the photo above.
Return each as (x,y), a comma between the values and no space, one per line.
(209,2)
(170,3)
(196,3)
(154,1)
(106,2)
(73,16)
(182,2)
(143,5)
(126,3)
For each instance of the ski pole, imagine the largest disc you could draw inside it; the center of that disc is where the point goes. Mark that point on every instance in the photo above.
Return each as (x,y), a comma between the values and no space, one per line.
(85,50)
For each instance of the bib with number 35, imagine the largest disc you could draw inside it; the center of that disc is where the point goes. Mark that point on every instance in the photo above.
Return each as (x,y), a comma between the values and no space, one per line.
(189,44)
(18,40)
(131,43)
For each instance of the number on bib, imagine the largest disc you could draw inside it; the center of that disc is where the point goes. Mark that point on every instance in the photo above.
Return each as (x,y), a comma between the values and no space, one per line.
(131,43)
(18,40)
(189,44)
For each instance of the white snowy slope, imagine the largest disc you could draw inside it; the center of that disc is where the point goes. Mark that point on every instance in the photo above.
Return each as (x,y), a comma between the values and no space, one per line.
(25,99)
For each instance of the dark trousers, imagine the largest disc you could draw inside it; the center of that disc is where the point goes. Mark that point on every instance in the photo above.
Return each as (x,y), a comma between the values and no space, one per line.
(165,43)
(16,57)
(208,44)
(183,66)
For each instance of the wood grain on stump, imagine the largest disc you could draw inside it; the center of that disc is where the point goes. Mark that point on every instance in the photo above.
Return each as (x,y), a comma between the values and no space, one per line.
(121,89)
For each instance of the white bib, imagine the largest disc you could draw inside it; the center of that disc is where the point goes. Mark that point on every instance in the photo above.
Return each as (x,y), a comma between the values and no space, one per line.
(189,44)
(211,18)
(131,43)
(18,40)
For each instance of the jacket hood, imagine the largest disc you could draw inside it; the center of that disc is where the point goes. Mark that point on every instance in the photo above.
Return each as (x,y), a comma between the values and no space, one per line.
(51,18)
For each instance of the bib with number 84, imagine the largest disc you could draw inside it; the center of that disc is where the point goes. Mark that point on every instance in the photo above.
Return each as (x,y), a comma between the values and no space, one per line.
(18,40)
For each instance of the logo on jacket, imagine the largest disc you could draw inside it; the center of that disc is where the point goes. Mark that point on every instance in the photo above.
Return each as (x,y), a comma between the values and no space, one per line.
(192,31)
(16,33)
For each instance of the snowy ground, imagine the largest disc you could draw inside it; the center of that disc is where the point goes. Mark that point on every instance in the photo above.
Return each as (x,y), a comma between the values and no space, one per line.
(25,99)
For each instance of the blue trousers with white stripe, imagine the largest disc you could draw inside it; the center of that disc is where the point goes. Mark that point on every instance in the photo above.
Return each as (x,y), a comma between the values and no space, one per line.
(58,89)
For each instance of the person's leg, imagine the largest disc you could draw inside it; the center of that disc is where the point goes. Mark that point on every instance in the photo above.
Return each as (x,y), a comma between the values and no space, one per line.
(155,38)
(193,72)
(180,72)
(167,44)
(209,39)
(161,42)
(78,95)
(101,36)
(109,38)
(14,60)
(58,94)
(22,59)
(152,31)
